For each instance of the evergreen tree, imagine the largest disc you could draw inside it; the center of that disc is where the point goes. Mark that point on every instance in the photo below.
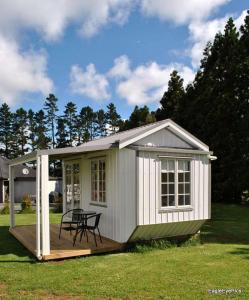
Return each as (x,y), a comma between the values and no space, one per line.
(6,132)
(42,140)
(21,133)
(86,122)
(61,134)
(70,119)
(32,127)
(140,116)
(51,109)
(101,122)
(113,118)
(171,100)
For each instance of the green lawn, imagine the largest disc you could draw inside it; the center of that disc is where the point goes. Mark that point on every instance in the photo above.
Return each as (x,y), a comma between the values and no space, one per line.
(222,261)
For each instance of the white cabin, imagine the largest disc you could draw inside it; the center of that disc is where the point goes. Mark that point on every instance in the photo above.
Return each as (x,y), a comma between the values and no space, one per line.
(150,182)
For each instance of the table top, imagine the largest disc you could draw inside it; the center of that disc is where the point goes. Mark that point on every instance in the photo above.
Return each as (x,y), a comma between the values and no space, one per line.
(85,212)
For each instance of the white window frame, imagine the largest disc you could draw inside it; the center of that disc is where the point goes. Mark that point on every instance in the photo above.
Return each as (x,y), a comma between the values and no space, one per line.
(176,206)
(98,202)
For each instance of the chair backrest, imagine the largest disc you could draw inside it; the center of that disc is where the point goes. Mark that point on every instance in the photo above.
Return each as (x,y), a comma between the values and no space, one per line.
(76,214)
(97,218)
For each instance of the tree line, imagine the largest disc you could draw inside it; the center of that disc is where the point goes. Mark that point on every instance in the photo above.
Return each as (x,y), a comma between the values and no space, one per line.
(214,107)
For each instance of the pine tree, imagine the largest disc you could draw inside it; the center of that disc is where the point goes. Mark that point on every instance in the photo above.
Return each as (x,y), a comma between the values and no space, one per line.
(70,119)
(86,122)
(31,126)
(101,122)
(171,99)
(61,134)
(6,131)
(21,133)
(42,140)
(51,109)
(113,118)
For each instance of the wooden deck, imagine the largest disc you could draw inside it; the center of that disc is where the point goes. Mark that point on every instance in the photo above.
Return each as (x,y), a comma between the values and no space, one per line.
(63,248)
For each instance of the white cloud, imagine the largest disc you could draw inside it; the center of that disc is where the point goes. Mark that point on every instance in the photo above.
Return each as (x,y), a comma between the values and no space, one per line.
(179,11)
(147,83)
(21,72)
(89,83)
(201,32)
(121,67)
(50,18)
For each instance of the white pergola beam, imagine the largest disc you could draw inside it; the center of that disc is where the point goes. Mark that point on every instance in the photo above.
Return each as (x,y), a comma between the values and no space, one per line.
(45,230)
(11,197)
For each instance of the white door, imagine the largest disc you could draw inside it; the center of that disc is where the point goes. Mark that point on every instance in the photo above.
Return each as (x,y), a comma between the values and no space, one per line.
(72,185)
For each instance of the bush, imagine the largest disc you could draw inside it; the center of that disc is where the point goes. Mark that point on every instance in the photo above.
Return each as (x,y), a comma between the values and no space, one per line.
(6,208)
(58,200)
(26,205)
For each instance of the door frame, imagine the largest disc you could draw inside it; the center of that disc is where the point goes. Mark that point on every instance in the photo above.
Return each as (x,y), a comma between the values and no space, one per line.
(70,162)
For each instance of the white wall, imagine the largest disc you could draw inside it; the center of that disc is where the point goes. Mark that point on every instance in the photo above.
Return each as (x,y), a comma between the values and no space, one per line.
(148,164)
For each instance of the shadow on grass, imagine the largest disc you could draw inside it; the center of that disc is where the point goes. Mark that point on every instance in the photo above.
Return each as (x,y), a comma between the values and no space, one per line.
(229,225)
(241,251)
(10,247)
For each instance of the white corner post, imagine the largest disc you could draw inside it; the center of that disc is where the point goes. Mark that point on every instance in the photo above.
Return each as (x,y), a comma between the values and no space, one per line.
(45,228)
(11,197)
(38,207)
(63,186)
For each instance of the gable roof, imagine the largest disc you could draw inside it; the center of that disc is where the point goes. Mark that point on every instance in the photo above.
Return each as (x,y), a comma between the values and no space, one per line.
(4,170)
(127,137)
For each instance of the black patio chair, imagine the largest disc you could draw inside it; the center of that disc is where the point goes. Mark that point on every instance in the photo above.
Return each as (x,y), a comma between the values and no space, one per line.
(71,217)
(85,226)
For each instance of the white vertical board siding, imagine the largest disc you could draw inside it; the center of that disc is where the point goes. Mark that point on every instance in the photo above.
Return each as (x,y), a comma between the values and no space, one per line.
(164,138)
(126,206)
(148,165)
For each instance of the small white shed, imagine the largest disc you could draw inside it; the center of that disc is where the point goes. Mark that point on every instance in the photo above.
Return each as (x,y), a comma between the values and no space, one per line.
(150,182)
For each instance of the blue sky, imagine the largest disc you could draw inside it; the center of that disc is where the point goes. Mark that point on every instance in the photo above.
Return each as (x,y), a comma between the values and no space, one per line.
(97,52)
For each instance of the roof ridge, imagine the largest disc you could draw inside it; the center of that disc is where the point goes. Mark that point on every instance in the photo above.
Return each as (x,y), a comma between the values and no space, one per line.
(120,132)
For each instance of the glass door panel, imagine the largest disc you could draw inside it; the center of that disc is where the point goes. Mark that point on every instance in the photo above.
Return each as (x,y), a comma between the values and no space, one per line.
(72,185)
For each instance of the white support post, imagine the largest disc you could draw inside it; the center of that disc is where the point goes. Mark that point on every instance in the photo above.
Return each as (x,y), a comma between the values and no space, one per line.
(45,230)
(38,210)
(11,197)
(64,186)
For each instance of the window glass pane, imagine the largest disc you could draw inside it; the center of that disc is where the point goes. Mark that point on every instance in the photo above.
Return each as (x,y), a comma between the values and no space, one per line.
(180,188)
(187,188)
(164,201)
(187,177)
(164,177)
(171,166)
(171,188)
(164,165)
(187,200)
(164,189)
(180,177)
(181,165)
(171,177)
(187,165)
(171,200)
(180,200)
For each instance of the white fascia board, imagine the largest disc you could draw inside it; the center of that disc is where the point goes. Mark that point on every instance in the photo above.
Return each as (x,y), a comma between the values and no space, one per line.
(23,159)
(142,135)
(179,131)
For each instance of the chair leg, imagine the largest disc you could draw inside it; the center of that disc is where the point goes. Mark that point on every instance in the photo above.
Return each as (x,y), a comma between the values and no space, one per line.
(60,231)
(75,237)
(70,228)
(95,238)
(86,235)
(82,232)
(99,235)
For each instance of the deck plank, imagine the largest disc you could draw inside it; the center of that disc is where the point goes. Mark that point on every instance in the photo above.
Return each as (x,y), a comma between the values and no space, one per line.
(63,248)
